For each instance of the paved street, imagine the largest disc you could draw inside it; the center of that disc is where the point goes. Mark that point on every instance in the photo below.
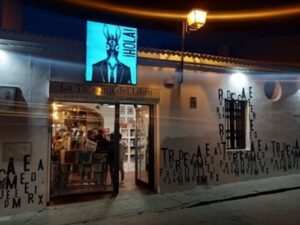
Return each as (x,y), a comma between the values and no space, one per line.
(274,209)
(264,201)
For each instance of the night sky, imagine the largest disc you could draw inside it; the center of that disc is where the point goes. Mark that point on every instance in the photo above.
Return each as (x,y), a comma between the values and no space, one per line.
(69,21)
(70,27)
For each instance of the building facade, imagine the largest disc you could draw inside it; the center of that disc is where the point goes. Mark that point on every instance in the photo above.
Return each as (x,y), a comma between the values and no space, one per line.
(229,120)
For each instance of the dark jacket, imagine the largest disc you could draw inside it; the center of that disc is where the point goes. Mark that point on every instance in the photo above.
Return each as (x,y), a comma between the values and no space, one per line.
(100,73)
(102,144)
(110,153)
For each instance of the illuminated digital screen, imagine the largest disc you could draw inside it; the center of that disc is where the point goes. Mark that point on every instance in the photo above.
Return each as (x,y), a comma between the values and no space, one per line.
(111,54)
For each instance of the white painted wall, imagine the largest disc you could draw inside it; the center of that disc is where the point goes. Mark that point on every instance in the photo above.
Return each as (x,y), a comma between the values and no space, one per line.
(185,129)
(31,76)
(180,128)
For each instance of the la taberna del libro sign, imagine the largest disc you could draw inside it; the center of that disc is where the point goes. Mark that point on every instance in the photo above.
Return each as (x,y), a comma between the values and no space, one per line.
(111,54)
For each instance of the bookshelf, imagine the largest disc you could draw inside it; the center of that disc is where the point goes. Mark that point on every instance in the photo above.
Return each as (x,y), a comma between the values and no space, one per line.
(128,132)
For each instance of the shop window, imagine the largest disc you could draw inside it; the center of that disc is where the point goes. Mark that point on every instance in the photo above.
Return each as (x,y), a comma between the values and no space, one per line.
(235,123)
(80,148)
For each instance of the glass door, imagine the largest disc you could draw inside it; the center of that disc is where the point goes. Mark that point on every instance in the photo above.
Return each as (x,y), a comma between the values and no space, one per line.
(142,144)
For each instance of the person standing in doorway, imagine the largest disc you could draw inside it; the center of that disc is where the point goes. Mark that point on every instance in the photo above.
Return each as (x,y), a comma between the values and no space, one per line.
(102,143)
(100,157)
(86,156)
(110,156)
(122,150)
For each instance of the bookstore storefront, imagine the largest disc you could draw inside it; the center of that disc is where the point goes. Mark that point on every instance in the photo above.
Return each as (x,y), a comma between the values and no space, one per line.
(102,130)
(65,131)
(87,122)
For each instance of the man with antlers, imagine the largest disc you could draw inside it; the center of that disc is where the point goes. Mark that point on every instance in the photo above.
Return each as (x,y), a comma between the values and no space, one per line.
(110,69)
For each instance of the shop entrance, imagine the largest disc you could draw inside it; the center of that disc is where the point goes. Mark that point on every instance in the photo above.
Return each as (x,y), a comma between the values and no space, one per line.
(85,157)
(137,138)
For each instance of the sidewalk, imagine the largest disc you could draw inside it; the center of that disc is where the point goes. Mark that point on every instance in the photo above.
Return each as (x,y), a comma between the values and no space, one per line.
(131,205)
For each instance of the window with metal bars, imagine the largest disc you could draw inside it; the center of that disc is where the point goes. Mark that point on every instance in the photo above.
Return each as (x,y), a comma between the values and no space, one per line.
(235,123)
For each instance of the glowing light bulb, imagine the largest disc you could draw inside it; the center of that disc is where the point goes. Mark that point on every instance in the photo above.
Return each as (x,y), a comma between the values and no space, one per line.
(238,79)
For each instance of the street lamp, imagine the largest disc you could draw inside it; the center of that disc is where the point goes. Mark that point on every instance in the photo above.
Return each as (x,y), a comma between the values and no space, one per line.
(195,19)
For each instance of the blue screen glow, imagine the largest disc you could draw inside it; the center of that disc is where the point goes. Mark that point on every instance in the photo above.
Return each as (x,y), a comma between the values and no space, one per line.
(111,54)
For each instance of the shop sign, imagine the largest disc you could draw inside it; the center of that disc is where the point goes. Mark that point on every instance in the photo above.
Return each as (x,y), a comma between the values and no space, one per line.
(111,54)
(106,93)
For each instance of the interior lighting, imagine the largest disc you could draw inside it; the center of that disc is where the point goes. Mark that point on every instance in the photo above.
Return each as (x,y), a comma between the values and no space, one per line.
(54,106)
(98,91)
(55,116)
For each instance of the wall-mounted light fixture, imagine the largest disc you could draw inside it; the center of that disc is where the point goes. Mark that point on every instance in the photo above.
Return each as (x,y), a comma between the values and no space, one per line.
(169,82)
(238,79)
(2,55)
(195,19)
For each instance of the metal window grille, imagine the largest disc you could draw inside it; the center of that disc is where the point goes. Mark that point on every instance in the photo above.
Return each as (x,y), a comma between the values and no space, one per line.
(235,123)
